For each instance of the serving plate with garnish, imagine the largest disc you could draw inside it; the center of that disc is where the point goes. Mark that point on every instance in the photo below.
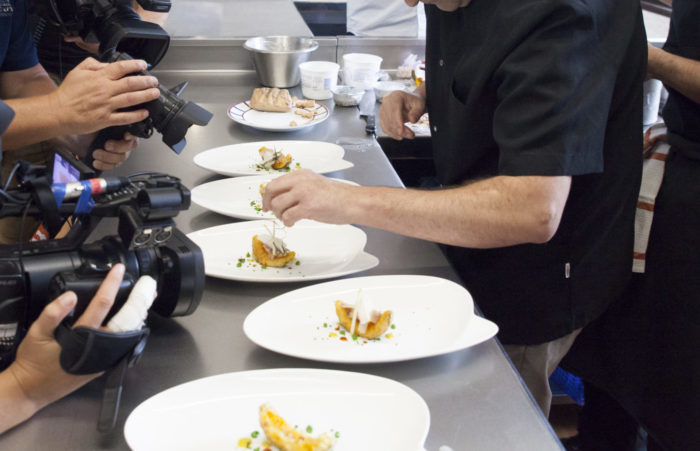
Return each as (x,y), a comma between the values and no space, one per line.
(322,251)
(245,158)
(429,316)
(237,197)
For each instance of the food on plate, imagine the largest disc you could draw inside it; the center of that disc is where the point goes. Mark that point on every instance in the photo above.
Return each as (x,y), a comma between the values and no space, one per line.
(271,99)
(362,319)
(286,438)
(270,250)
(305,103)
(293,124)
(304,113)
(262,189)
(273,159)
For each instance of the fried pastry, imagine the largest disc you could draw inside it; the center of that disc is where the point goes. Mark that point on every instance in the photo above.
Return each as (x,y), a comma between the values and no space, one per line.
(286,438)
(271,99)
(271,251)
(373,328)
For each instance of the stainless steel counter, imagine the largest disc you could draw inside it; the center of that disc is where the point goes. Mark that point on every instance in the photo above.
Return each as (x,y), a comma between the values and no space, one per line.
(476,400)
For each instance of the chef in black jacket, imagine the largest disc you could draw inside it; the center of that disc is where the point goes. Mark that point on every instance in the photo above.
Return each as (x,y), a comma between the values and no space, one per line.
(535,110)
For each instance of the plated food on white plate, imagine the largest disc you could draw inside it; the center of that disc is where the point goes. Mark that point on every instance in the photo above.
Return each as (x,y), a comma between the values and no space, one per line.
(370,320)
(238,197)
(273,157)
(283,409)
(321,251)
(274,109)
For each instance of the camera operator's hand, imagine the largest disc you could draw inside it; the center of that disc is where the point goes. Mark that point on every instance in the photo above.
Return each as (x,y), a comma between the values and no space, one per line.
(91,95)
(115,152)
(36,379)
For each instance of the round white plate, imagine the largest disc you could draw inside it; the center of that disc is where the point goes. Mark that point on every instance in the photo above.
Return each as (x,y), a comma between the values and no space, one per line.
(323,251)
(236,197)
(241,159)
(276,122)
(431,316)
(213,413)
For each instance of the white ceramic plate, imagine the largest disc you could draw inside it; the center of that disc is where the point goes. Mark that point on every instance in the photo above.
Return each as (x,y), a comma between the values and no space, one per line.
(241,159)
(368,412)
(432,316)
(236,197)
(276,122)
(323,251)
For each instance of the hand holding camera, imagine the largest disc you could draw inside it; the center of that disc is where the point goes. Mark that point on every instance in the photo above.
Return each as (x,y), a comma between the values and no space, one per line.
(36,379)
(90,97)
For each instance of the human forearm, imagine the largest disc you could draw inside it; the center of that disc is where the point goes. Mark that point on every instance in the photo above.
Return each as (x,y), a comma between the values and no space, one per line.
(32,123)
(681,74)
(490,213)
(494,212)
(15,407)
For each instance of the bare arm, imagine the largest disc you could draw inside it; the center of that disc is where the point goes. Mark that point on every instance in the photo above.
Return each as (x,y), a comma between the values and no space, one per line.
(682,74)
(150,16)
(494,212)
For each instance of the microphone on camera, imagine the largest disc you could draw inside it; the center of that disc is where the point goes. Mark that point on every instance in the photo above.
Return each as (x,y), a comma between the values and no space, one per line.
(99,185)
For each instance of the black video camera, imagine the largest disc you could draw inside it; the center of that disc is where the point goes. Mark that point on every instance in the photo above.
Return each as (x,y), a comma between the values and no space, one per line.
(147,243)
(122,35)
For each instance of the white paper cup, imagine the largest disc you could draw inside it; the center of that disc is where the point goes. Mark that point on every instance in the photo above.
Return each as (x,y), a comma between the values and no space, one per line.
(318,79)
(652,95)
(360,70)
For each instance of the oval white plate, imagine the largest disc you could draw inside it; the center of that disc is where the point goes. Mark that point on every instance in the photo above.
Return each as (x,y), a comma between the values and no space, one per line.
(213,413)
(241,159)
(276,122)
(432,316)
(236,197)
(324,251)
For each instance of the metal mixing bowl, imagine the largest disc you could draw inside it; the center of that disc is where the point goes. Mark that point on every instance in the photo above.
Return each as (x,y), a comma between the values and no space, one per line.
(277,58)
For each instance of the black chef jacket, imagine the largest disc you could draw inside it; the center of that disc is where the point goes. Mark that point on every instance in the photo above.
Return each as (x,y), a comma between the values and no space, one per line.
(547,88)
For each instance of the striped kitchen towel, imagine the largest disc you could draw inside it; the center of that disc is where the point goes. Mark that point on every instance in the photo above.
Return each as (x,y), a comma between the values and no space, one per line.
(655,154)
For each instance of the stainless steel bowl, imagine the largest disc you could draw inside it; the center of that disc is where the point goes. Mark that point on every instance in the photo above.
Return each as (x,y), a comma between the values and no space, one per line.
(277,58)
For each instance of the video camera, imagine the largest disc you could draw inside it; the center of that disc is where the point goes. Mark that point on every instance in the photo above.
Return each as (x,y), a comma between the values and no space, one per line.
(147,243)
(122,35)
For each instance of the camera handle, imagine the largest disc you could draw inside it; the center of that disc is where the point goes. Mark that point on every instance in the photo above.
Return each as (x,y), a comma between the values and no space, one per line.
(85,350)
(104,135)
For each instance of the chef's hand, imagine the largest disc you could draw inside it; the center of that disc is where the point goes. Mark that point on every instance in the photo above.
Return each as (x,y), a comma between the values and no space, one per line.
(36,379)
(304,194)
(115,152)
(398,108)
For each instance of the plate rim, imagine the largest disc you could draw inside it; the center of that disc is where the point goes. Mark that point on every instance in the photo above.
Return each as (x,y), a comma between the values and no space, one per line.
(242,120)
(490,331)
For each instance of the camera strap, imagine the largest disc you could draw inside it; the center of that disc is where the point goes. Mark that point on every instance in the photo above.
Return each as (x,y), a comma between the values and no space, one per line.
(85,350)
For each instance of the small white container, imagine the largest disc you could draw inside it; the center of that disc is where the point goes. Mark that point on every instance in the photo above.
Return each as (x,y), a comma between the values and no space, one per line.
(652,96)
(318,79)
(360,70)
(347,95)
(384,88)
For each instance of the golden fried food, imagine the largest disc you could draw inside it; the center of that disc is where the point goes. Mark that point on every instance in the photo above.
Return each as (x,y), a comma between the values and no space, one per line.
(282,161)
(304,113)
(374,329)
(275,258)
(272,159)
(286,438)
(271,99)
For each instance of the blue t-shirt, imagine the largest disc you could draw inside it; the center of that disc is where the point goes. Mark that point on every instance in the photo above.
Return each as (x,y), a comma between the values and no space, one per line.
(17,51)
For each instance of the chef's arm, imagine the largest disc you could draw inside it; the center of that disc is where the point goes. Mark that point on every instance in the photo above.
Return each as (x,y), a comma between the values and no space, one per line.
(681,74)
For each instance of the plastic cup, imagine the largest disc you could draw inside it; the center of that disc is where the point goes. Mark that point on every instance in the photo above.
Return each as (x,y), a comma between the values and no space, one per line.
(652,96)
(360,70)
(318,79)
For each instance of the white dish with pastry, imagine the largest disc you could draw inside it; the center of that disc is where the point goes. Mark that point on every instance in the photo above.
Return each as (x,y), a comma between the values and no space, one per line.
(320,251)
(238,197)
(397,317)
(275,110)
(353,411)
(247,159)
